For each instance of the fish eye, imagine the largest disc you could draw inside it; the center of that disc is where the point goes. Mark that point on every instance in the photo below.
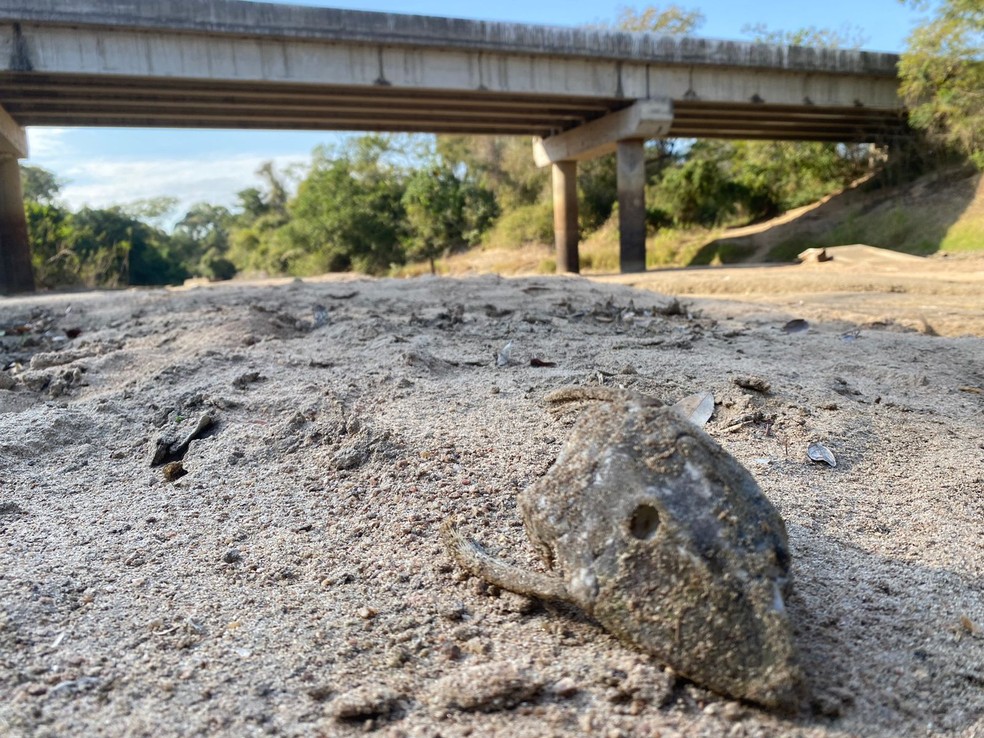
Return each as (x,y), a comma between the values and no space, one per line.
(644,522)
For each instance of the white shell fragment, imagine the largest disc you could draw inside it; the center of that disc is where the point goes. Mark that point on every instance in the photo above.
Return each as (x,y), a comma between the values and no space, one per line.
(504,356)
(819,452)
(697,408)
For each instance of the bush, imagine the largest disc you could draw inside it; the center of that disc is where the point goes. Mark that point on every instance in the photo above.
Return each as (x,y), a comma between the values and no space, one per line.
(526,224)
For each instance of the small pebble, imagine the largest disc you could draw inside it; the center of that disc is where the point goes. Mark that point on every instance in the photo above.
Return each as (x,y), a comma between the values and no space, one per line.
(174,471)
(348,458)
(753,383)
(564,688)
(320,692)
(449,650)
(232,556)
(454,611)
(484,688)
(363,703)
(732,711)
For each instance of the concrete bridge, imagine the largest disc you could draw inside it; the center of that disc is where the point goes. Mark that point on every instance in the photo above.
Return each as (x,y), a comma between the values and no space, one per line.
(581,93)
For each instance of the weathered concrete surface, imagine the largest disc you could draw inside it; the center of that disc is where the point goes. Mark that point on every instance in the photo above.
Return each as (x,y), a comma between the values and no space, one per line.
(566,234)
(227,63)
(13,138)
(16,274)
(232,17)
(631,171)
(643,119)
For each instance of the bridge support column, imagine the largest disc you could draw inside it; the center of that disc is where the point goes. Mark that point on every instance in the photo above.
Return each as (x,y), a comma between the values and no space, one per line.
(565,216)
(15,251)
(624,132)
(631,167)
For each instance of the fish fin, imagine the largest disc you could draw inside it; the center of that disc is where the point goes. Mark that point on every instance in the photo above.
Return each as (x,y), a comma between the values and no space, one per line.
(476,560)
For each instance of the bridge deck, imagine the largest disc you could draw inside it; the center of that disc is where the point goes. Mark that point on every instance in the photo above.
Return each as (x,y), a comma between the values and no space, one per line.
(233,64)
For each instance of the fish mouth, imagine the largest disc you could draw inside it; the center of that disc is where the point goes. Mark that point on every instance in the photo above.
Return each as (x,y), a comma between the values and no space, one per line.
(735,639)
(774,679)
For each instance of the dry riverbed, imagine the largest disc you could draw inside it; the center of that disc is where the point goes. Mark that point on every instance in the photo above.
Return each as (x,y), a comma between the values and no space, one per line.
(281,572)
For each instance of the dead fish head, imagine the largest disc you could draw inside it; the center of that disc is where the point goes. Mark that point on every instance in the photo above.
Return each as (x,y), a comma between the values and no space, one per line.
(669,543)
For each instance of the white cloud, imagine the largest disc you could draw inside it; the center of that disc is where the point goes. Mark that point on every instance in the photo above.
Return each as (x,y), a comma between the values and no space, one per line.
(47,142)
(104,182)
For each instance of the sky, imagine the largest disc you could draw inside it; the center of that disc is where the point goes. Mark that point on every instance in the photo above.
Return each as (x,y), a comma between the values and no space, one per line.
(102,167)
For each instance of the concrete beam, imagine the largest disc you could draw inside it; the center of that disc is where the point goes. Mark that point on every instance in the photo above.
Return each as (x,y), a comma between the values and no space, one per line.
(85,53)
(631,167)
(265,20)
(565,216)
(13,138)
(641,120)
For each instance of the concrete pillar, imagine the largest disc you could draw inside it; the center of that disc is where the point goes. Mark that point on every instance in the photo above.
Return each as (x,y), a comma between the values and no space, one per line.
(15,251)
(565,216)
(631,164)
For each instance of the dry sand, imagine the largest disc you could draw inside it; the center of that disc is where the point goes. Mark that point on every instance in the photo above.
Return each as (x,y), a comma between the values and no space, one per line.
(292,582)
(941,295)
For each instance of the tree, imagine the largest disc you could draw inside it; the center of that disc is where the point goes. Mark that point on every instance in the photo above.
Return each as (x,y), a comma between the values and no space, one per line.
(252,203)
(275,197)
(348,213)
(154,210)
(444,212)
(672,19)
(49,233)
(845,37)
(942,76)
(39,185)
(204,237)
(115,250)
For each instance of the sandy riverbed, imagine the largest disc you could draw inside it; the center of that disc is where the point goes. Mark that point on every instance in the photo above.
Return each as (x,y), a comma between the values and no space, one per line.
(292,582)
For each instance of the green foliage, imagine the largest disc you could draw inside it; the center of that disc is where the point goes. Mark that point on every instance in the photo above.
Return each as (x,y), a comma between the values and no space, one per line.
(502,164)
(780,175)
(39,185)
(942,76)
(523,225)
(95,248)
(252,204)
(49,233)
(151,209)
(348,213)
(728,182)
(597,188)
(845,37)
(444,212)
(115,250)
(202,236)
(696,192)
(275,197)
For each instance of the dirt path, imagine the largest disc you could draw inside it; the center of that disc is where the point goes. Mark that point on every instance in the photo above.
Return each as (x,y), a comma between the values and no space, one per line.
(292,581)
